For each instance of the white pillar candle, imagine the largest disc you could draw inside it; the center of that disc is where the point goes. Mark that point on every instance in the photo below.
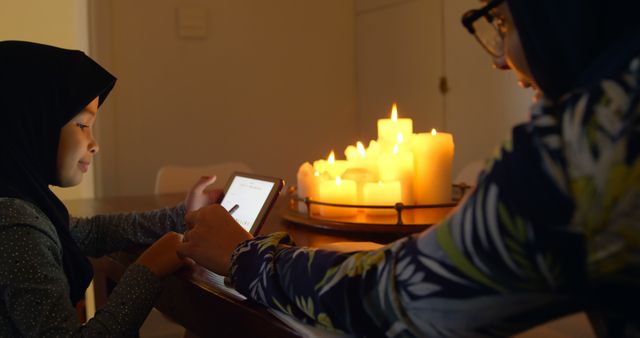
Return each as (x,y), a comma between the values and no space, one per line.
(433,157)
(372,153)
(307,184)
(356,155)
(388,129)
(360,157)
(331,166)
(360,176)
(335,167)
(320,166)
(398,165)
(381,193)
(337,191)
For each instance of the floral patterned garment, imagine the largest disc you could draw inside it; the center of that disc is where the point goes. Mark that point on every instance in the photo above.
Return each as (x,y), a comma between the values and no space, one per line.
(555,216)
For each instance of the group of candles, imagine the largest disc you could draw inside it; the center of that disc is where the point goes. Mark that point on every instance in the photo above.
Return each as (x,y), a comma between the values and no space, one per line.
(399,166)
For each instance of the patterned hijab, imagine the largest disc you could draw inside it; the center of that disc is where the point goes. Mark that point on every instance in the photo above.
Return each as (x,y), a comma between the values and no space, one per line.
(41,89)
(575,43)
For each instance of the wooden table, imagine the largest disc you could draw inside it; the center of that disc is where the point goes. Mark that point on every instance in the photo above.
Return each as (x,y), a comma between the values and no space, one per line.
(190,297)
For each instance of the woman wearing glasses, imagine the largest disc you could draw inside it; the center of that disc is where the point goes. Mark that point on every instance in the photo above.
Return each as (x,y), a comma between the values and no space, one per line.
(552,228)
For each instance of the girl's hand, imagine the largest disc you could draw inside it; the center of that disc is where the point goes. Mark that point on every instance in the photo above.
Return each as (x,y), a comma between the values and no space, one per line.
(161,257)
(197,197)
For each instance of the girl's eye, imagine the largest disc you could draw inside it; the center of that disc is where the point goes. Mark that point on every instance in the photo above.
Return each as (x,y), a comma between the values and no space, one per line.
(81,125)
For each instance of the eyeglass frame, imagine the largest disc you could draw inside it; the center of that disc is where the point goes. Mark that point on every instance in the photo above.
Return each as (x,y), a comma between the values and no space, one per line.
(471,16)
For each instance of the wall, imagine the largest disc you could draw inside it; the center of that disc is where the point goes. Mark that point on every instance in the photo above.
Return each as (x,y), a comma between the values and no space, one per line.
(404,47)
(398,60)
(271,84)
(277,83)
(61,23)
(484,103)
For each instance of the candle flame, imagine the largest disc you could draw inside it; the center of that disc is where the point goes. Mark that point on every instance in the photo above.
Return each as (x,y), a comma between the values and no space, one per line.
(317,173)
(332,157)
(400,138)
(338,180)
(394,112)
(395,149)
(434,132)
(360,148)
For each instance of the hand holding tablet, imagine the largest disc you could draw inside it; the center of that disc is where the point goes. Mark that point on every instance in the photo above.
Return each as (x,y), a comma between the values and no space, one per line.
(214,230)
(249,198)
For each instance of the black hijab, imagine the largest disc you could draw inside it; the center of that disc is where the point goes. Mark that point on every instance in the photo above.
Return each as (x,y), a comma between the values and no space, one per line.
(41,89)
(576,43)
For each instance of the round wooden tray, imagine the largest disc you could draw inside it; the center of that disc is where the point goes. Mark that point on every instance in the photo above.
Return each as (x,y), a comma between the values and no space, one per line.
(414,220)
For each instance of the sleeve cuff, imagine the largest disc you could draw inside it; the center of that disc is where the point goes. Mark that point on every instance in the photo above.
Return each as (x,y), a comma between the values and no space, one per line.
(253,258)
(179,211)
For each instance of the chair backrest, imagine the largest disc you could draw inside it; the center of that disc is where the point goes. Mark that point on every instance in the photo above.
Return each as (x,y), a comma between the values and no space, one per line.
(469,174)
(174,179)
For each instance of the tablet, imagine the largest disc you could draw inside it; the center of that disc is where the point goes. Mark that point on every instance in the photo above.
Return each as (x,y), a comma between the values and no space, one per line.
(249,198)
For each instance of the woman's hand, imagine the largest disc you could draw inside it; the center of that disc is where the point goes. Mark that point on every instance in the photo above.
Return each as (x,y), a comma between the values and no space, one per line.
(161,257)
(212,238)
(197,197)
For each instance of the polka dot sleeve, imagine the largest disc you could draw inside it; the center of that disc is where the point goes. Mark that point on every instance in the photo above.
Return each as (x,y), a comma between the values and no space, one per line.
(35,293)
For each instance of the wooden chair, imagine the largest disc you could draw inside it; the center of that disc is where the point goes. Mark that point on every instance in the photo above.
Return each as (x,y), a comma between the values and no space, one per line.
(469,174)
(175,179)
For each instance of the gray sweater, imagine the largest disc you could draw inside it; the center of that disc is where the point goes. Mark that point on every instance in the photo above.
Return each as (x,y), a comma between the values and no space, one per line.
(34,288)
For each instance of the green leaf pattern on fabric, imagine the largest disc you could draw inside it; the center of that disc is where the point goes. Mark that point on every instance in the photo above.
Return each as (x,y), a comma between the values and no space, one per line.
(487,269)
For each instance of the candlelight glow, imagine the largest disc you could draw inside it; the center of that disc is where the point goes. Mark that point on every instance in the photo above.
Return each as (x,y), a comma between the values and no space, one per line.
(394,112)
(360,149)
(409,167)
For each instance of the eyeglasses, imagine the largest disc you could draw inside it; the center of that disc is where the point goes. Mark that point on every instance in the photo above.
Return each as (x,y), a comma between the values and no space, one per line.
(481,24)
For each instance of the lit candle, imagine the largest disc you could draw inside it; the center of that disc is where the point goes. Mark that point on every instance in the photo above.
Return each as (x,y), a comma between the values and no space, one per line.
(360,176)
(381,193)
(372,154)
(337,191)
(335,167)
(307,184)
(359,157)
(398,166)
(320,166)
(433,156)
(356,155)
(388,129)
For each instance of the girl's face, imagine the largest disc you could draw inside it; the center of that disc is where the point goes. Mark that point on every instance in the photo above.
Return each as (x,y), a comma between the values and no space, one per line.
(77,146)
(513,57)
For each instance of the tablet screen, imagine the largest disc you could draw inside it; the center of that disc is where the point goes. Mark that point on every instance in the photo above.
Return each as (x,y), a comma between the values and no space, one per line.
(246,198)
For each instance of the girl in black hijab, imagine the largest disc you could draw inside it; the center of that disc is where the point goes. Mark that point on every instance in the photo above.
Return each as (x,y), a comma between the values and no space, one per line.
(49,99)
(42,88)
